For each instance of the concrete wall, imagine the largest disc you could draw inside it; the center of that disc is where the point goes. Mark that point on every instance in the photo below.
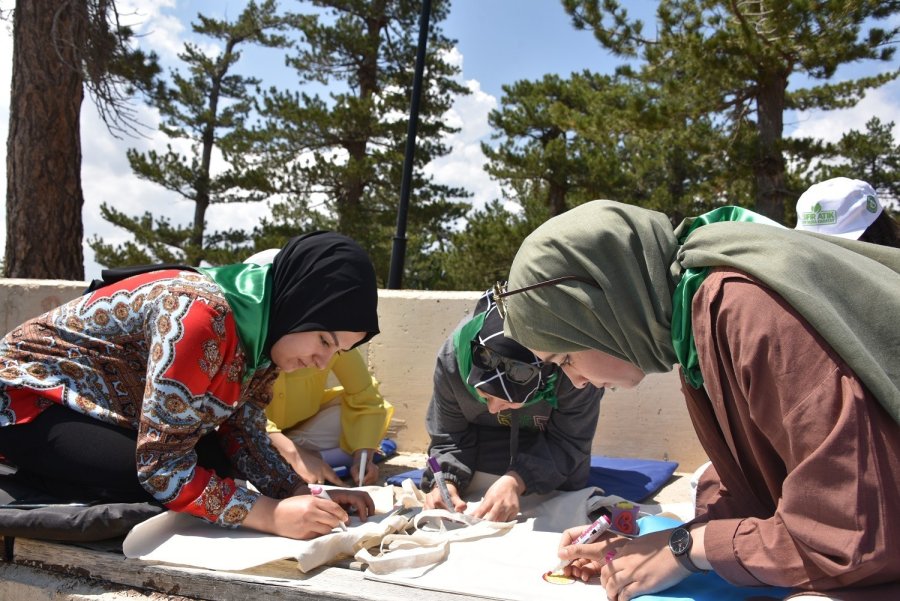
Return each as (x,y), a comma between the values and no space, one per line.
(650,421)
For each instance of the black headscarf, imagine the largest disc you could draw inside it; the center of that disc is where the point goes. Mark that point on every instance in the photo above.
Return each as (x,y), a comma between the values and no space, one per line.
(322,281)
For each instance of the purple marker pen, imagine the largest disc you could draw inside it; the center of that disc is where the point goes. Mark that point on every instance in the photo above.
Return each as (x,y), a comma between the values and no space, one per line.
(590,534)
(439,480)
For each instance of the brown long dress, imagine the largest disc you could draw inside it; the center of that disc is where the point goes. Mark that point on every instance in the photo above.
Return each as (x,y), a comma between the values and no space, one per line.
(806,487)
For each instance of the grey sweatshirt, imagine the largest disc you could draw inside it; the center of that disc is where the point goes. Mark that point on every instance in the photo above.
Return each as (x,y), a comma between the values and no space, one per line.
(552,446)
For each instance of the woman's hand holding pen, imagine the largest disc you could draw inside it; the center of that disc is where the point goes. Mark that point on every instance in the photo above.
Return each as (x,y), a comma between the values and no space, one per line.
(370,470)
(433,499)
(588,559)
(305,516)
(643,565)
(629,567)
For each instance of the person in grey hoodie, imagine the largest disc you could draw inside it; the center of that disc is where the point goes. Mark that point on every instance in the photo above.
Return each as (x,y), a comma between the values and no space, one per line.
(496,408)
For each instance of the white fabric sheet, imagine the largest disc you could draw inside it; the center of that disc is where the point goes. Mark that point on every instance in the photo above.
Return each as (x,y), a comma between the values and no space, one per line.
(186,540)
(508,567)
(183,539)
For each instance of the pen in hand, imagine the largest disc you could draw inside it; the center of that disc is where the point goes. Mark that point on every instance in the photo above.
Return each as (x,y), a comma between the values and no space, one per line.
(363,461)
(441,484)
(590,534)
(317,491)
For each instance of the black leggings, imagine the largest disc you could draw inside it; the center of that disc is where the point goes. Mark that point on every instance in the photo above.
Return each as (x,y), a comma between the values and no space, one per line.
(78,458)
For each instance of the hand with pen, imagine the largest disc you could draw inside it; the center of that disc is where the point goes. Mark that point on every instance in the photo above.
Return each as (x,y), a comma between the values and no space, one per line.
(434,499)
(631,567)
(363,470)
(444,494)
(583,553)
(304,515)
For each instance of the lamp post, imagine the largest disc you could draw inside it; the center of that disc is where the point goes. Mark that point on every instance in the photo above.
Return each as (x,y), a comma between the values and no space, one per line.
(398,250)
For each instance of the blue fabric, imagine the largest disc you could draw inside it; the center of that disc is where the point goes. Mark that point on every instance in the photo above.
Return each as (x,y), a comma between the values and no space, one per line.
(632,479)
(703,587)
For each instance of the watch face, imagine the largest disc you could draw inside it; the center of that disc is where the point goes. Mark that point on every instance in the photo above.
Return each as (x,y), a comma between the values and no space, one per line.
(680,541)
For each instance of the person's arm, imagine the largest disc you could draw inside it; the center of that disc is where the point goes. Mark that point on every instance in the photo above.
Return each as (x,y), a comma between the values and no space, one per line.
(250,447)
(192,379)
(825,450)
(364,412)
(307,464)
(454,439)
(560,457)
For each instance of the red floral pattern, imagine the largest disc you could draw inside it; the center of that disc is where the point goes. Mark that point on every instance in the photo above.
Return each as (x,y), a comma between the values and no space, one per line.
(158,353)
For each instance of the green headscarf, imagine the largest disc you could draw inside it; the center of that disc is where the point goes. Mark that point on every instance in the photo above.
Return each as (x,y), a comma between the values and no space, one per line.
(849,291)
(682,333)
(247,288)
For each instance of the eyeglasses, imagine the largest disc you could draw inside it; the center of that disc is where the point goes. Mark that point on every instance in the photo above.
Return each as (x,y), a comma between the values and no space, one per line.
(500,292)
(516,371)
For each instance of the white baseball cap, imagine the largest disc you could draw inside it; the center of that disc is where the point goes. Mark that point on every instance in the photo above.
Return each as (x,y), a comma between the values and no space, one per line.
(838,207)
(263,257)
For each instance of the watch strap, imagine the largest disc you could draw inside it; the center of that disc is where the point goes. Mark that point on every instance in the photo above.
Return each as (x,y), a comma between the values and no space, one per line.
(685,560)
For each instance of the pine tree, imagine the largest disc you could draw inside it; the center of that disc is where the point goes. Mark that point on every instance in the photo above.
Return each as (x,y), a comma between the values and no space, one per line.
(60,51)
(211,107)
(595,136)
(872,156)
(341,157)
(481,253)
(733,62)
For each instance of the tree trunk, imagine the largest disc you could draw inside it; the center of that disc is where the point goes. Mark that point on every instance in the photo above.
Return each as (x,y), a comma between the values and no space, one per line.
(771,190)
(44,198)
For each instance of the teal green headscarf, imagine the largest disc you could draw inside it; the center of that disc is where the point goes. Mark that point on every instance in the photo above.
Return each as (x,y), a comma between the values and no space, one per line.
(682,333)
(848,291)
(247,288)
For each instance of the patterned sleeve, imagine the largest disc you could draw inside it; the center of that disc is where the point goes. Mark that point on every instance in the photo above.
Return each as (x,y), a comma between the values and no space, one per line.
(247,443)
(193,382)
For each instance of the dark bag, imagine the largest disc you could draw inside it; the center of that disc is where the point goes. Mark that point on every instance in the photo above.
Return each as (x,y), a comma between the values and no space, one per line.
(29,513)
(116,274)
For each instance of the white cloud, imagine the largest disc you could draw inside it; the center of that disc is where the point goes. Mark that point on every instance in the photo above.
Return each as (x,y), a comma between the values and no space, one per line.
(464,165)
(883,102)
(164,33)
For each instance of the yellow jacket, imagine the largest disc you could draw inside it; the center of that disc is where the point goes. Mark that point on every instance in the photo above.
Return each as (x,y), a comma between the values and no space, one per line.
(300,394)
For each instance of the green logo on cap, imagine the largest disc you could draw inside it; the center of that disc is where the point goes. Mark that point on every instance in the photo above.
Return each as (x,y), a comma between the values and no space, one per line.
(871,205)
(820,217)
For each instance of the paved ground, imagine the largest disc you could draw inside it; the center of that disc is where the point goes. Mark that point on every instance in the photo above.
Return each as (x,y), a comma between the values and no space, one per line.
(399,463)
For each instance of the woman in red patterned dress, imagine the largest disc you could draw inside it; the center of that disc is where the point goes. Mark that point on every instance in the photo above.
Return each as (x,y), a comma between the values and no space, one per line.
(154,387)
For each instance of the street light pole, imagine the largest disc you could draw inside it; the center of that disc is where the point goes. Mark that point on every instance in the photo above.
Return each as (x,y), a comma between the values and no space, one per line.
(398,250)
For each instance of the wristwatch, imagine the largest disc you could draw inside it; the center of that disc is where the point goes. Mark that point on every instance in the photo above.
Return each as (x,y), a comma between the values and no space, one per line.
(680,543)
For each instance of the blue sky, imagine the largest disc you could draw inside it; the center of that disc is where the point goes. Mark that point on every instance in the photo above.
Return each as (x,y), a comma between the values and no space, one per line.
(499,42)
